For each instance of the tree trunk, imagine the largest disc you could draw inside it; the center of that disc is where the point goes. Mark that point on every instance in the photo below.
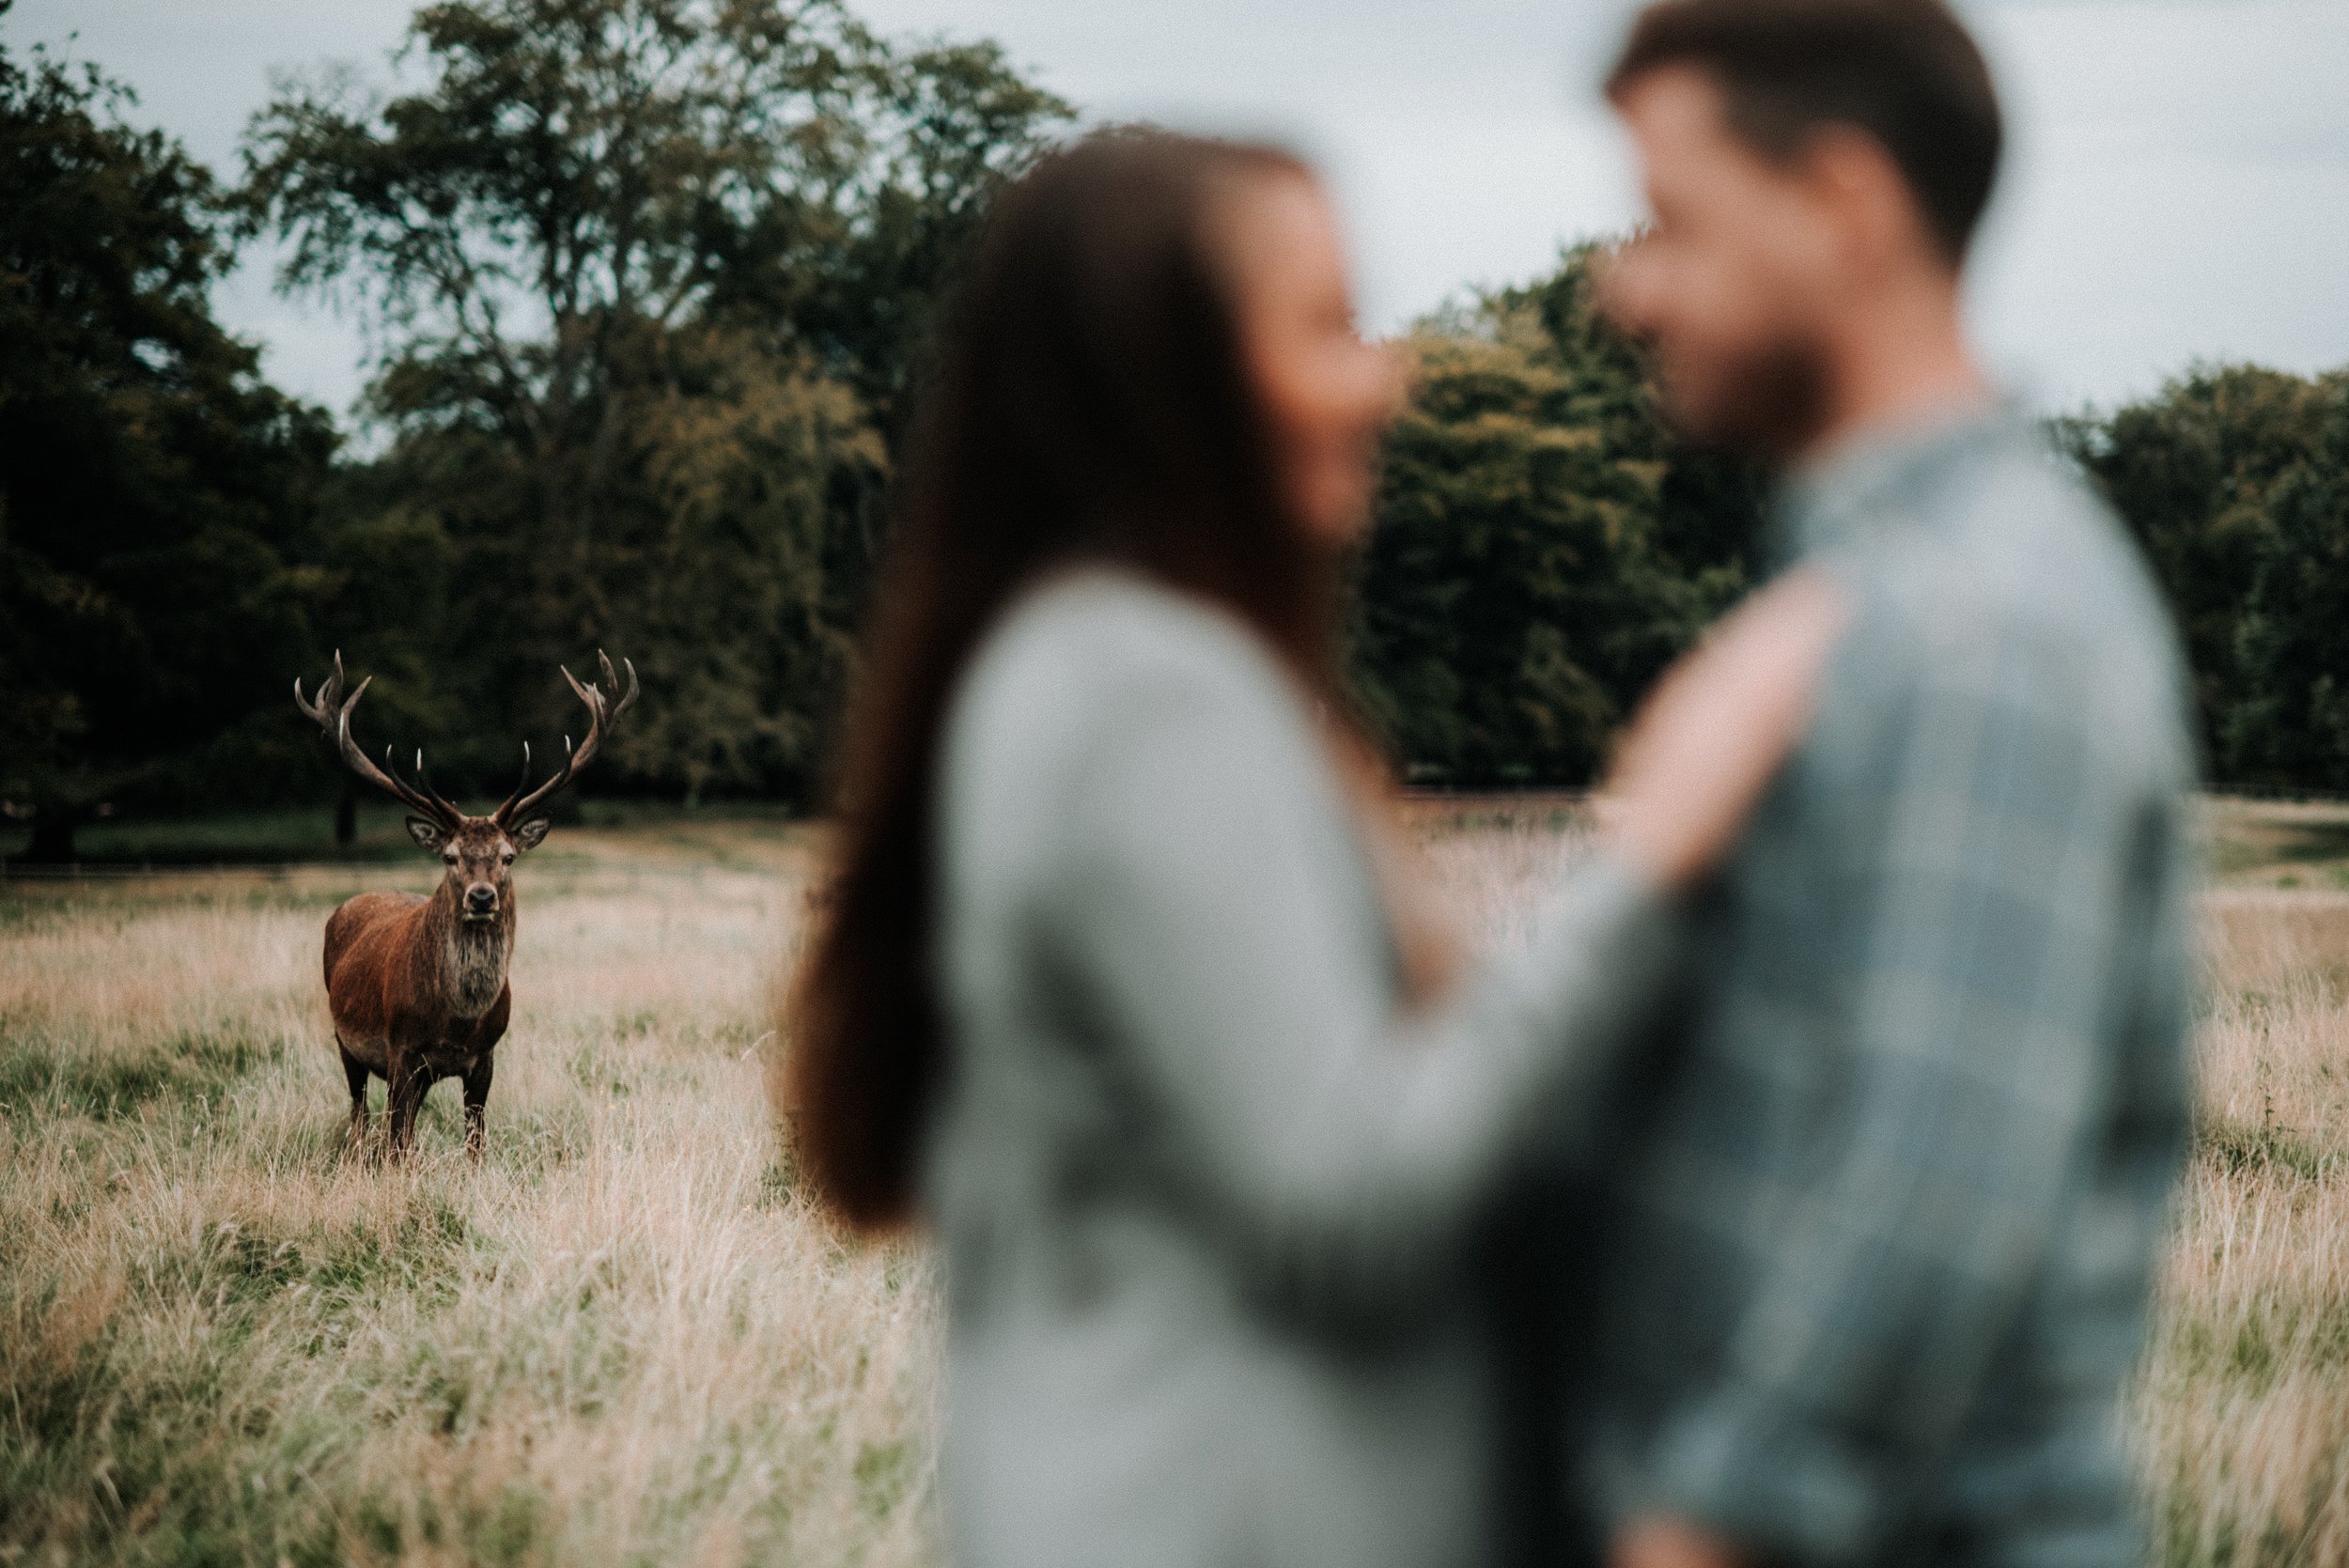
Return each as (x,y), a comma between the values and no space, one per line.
(51,843)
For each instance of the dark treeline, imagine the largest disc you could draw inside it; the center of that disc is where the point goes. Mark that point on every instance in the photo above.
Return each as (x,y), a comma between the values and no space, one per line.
(647,283)
(1544,545)
(2236,482)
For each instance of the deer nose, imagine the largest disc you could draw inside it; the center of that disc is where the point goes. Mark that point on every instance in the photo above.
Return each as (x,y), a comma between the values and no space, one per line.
(481,898)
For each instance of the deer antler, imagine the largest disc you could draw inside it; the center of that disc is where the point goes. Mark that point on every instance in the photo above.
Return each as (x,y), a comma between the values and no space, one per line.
(602,713)
(423,784)
(331,711)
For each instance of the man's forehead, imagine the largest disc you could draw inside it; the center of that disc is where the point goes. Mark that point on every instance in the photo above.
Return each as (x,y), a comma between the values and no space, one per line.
(1674,105)
(1690,152)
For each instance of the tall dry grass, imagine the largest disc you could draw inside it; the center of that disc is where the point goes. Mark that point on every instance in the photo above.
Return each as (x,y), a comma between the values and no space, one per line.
(619,1340)
(2242,1417)
(622,1339)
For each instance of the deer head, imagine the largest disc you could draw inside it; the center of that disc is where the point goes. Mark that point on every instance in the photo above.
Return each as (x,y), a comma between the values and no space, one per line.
(477,851)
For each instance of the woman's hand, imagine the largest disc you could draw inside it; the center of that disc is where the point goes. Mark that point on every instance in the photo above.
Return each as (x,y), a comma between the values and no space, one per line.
(1718,726)
(1661,1542)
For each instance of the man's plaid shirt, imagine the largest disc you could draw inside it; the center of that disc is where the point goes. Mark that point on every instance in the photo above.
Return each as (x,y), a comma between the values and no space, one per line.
(1880,1223)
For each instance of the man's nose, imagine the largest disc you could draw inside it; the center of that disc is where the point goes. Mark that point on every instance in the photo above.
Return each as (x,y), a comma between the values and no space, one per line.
(481,896)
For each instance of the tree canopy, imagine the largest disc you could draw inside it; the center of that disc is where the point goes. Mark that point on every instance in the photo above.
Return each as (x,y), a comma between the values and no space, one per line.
(648,279)
(647,284)
(157,516)
(1544,546)
(2231,479)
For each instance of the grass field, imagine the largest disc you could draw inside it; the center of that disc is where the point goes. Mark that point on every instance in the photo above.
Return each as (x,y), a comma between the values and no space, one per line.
(2242,1417)
(621,1340)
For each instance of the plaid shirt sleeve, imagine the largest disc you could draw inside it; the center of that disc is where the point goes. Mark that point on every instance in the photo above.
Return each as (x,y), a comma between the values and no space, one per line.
(1982,911)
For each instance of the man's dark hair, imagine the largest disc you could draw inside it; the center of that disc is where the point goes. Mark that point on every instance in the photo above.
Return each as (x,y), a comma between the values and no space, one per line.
(1904,71)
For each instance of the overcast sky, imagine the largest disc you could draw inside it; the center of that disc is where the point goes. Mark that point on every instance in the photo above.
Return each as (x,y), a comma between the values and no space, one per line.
(2179,185)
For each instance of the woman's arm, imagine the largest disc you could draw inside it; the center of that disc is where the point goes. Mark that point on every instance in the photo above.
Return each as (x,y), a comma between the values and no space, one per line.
(1217,911)
(1212,910)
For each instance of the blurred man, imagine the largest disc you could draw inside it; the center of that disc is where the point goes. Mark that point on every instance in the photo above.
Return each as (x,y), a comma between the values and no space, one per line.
(1879,1233)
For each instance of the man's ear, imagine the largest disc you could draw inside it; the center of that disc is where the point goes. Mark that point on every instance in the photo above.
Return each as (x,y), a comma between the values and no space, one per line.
(532,833)
(1854,177)
(428,834)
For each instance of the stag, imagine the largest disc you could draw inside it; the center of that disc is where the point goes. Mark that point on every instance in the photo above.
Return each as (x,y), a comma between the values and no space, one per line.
(416,985)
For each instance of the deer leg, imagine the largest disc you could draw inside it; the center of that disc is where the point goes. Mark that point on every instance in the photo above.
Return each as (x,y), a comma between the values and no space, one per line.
(477,1097)
(409,1083)
(355,1074)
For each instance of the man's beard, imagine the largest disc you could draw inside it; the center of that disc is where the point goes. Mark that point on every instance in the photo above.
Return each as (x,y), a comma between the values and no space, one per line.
(1769,402)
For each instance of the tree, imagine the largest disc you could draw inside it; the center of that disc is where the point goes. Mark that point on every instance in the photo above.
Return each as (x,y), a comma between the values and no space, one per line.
(648,276)
(2291,645)
(1544,548)
(157,499)
(2193,472)
(744,464)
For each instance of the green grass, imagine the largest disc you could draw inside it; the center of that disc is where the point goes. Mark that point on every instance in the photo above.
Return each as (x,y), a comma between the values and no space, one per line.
(244,838)
(305,834)
(2284,844)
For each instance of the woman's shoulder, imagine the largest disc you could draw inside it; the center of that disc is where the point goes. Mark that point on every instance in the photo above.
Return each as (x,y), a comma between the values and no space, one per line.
(1127,626)
(1098,644)
(1095,665)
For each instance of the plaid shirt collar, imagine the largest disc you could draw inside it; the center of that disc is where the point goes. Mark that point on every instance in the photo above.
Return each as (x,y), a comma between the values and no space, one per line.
(1842,500)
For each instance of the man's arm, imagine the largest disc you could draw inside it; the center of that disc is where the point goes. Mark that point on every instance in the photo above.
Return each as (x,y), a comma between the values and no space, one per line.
(1986,919)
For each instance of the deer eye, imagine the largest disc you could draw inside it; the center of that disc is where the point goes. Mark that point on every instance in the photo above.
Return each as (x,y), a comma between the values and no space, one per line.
(505,856)
(448,857)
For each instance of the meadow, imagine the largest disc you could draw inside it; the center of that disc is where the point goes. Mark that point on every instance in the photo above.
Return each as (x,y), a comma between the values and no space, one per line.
(623,1337)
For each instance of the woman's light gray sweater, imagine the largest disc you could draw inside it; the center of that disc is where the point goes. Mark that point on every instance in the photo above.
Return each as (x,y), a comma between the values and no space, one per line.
(1202,1183)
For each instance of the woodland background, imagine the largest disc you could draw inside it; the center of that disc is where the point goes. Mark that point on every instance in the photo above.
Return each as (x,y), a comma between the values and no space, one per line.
(648,284)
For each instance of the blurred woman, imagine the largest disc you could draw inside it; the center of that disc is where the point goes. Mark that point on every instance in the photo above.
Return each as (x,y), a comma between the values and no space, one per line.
(1116,985)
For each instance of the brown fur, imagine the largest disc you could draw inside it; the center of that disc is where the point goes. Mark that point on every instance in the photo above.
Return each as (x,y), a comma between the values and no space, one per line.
(418,992)
(417,985)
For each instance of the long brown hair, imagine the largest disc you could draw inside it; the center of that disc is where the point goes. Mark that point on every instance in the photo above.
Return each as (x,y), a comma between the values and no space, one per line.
(1090,403)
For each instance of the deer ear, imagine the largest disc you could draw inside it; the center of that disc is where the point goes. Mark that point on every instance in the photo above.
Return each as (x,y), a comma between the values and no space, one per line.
(426,834)
(533,832)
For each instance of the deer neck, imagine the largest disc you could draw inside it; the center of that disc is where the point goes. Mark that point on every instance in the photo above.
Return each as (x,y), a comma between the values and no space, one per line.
(471,955)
